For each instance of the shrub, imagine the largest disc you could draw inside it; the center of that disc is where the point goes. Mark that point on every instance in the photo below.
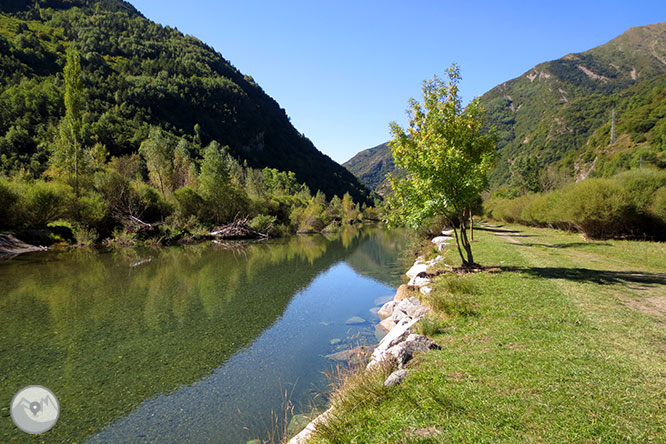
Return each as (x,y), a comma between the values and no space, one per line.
(659,204)
(8,199)
(188,202)
(44,202)
(641,186)
(267,224)
(600,208)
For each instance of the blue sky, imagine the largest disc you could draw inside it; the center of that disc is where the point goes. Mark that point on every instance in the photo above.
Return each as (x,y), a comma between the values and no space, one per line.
(344,69)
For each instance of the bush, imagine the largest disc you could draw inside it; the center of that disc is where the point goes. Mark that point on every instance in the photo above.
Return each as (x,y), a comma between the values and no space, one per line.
(267,224)
(153,206)
(43,202)
(659,204)
(8,199)
(188,202)
(641,186)
(600,208)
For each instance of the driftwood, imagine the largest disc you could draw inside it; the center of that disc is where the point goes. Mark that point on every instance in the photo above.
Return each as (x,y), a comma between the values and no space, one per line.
(238,229)
(135,225)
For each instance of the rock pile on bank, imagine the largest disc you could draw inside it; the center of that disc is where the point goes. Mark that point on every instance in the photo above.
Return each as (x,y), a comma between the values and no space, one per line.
(398,317)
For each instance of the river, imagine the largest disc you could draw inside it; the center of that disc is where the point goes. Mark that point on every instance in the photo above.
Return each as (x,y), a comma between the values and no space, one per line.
(193,344)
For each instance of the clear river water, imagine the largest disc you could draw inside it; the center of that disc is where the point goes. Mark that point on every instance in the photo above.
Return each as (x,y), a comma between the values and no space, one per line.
(192,344)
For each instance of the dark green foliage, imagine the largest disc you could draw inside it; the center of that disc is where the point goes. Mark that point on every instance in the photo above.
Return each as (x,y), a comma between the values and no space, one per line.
(138,75)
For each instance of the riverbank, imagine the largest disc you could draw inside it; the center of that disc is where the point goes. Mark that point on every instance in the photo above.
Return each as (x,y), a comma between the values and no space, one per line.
(556,340)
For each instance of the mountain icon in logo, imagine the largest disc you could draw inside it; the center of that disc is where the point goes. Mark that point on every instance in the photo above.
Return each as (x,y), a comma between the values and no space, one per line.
(35,409)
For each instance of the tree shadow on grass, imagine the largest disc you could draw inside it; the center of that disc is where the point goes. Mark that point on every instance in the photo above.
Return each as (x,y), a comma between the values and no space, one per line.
(567,244)
(601,277)
(497,229)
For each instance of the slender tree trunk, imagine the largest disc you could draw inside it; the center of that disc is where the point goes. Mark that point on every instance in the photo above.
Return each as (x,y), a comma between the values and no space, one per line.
(471,225)
(76,169)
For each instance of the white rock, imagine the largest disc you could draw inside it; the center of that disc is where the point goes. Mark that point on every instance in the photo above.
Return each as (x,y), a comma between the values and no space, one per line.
(387,324)
(404,351)
(397,334)
(387,310)
(447,232)
(396,378)
(419,281)
(441,239)
(417,268)
(426,290)
(399,315)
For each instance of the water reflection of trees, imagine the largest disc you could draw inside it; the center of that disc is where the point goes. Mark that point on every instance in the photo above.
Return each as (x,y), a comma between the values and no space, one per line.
(105,333)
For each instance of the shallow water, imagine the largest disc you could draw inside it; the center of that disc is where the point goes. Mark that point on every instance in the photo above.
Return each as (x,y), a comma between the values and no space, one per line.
(192,344)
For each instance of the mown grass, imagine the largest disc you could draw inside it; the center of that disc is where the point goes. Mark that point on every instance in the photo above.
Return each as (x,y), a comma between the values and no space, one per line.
(556,343)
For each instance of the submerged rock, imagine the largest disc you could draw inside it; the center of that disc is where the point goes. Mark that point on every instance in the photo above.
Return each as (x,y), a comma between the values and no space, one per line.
(355,320)
(374,311)
(296,424)
(335,341)
(347,355)
(383,300)
(396,378)
(380,332)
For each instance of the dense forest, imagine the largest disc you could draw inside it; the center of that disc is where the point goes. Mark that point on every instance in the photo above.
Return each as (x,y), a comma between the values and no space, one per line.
(157,126)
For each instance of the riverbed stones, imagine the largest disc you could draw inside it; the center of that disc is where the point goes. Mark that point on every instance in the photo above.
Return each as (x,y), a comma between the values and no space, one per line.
(355,320)
(351,354)
(305,434)
(335,341)
(380,332)
(396,377)
(296,424)
(383,300)
(387,310)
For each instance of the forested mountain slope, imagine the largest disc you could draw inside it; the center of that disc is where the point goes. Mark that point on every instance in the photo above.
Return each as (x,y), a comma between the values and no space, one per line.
(139,74)
(371,167)
(554,108)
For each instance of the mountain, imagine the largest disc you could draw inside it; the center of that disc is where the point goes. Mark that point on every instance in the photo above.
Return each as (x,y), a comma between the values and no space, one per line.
(557,116)
(553,109)
(137,75)
(371,167)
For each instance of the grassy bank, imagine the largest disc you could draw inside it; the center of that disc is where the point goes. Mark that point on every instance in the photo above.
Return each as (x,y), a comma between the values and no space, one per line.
(561,340)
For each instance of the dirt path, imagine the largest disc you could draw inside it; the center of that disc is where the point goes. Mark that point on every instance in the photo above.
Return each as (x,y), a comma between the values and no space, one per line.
(642,289)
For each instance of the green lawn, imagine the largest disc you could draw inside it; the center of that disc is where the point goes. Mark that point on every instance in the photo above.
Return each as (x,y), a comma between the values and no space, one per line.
(561,341)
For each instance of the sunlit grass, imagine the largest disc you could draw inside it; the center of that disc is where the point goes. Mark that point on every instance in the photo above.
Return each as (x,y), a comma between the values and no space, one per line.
(552,352)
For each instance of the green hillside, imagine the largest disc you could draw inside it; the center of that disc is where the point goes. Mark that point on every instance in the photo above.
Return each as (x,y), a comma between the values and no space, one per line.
(554,108)
(554,121)
(137,75)
(371,167)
